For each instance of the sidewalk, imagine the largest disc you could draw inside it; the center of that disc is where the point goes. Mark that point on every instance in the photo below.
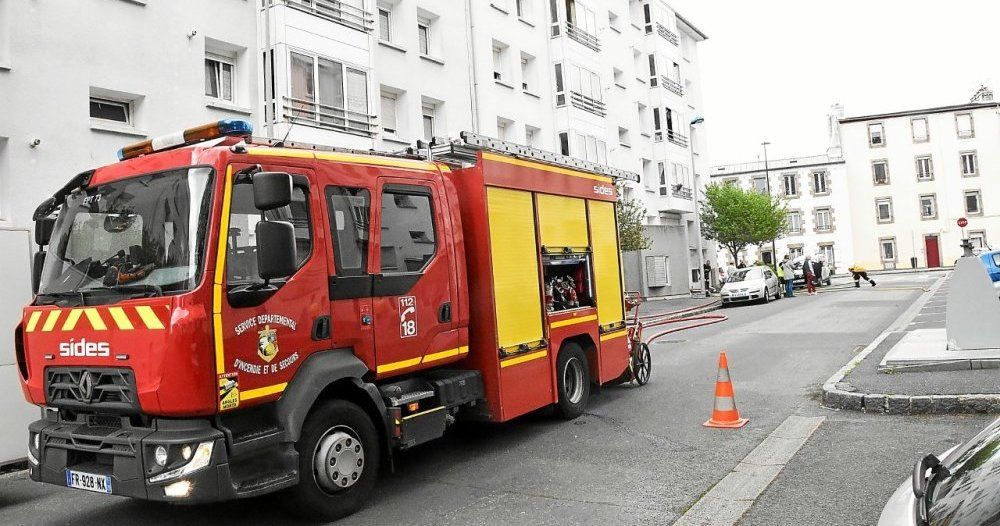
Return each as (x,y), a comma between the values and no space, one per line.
(860,386)
(684,306)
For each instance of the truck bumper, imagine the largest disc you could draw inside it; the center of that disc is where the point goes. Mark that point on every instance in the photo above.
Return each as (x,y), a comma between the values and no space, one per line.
(127,455)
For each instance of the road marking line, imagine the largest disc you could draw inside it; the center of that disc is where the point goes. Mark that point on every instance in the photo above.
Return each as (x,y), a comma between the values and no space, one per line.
(732,496)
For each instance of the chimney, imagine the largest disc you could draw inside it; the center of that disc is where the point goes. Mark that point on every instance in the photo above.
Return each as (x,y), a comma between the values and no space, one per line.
(834,150)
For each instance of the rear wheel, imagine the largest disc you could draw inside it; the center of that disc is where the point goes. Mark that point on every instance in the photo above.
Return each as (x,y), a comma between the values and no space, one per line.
(339,457)
(642,364)
(573,376)
(777,292)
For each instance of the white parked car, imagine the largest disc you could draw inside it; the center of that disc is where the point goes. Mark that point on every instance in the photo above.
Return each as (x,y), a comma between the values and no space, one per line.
(751,284)
(824,272)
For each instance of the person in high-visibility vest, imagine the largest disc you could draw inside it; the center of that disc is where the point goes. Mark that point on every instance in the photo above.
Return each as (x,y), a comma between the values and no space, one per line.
(860,273)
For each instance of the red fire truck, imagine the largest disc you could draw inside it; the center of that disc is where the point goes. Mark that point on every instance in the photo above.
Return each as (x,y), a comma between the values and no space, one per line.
(219,317)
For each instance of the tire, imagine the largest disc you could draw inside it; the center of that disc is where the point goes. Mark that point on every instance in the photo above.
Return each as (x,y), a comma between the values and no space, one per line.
(573,381)
(332,430)
(777,293)
(642,364)
(767,295)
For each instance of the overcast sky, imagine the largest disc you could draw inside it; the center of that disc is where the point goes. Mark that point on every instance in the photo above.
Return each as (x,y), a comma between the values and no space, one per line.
(771,69)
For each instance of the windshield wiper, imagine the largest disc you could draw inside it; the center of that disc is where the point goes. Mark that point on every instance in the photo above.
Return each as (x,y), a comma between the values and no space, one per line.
(149,290)
(75,294)
(923,487)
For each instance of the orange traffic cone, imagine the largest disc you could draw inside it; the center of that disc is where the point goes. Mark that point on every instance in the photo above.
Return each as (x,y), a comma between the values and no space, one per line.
(725,413)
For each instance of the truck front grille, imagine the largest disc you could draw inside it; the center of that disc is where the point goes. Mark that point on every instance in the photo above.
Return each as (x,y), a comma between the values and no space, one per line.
(96,389)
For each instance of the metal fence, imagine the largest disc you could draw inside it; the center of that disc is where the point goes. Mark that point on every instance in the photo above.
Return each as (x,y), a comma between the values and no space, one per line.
(336,11)
(312,113)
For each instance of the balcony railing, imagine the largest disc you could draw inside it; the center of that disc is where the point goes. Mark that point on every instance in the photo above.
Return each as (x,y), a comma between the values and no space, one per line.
(311,113)
(676,138)
(340,12)
(588,104)
(672,85)
(681,192)
(582,36)
(667,34)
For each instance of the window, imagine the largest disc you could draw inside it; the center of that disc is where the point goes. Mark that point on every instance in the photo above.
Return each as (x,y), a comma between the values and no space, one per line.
(623,137)
(928,206)
(241,259)
(531,136)
(428,116)
(613,22)
(325,90)
(820,183)
(407,239)
(925,168)
(647,176)
(564,143)
(642,113)
(883,210)
(827,254)
(657,274)
(384,25)
(499,61)
(389,124)
(219,77)
(502,127)
(964,126)
(647,18)
(794,251)
(527,72)
(591,148)
(791,188)
(652,70)
(111,110)
(880,172)
(423,37)
(876,134)
(919,127)
(887,247)
(973,202)
(554,10)
(970,164)
(350,210)
(794,222)
(584,82)
(661,171)
(560,86)
(523,8)
(978,239)
(657,126)
(760,184)
(618,76)
(824,220)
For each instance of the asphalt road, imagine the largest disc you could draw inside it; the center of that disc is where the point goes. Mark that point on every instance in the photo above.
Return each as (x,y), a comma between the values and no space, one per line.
(640,455)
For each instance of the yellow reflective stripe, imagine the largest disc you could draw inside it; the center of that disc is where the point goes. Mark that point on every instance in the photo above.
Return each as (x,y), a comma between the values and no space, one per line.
(50,321)
(74,316)
(263,391)
(220,272)
(281,152)
(613,335)
(445,354)
(394,366)
(422,413)
(546,167)
(121,319)
(525,358)
(96,321)
(33,321)
(572,321)
(149,317)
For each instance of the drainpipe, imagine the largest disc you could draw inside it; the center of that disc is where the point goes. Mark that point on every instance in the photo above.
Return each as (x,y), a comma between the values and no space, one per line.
(268,73)
(473,79)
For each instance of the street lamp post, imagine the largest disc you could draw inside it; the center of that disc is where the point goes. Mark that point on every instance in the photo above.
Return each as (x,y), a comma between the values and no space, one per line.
(697,215)
(767,181)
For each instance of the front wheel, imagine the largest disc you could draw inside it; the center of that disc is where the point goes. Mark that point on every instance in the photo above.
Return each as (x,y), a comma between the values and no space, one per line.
(573,381)
(339,458)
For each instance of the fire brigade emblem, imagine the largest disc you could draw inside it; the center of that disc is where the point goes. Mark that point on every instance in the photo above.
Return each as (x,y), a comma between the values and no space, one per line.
(267,343)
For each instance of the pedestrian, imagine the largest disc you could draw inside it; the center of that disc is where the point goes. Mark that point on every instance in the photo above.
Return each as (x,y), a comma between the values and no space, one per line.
(707,273)
(780,273)
(789,271)
(741,264)
(818,266)
(860,273)
(809,275)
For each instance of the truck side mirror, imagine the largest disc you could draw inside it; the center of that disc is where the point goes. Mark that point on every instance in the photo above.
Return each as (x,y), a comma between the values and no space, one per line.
(43,230)
(275,249)
(271,190)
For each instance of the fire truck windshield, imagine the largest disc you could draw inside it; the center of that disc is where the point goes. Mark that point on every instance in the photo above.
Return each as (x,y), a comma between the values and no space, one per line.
(144,235)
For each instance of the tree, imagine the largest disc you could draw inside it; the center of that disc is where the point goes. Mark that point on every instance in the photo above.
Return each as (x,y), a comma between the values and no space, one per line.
(631,235)
(737,218)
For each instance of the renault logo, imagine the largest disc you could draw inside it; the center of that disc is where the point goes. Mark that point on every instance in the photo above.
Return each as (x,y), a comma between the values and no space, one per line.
(86,386)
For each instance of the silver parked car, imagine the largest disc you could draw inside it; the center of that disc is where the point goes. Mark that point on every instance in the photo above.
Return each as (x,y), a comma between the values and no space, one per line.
(961,487)
(751,284)
(824,272)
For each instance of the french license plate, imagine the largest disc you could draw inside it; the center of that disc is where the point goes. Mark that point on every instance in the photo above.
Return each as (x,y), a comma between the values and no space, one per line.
(739,297)
(88,481)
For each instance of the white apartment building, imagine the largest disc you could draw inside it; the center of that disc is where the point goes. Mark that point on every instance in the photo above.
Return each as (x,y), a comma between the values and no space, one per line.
(78,80)
(611,81)
(913,174)
(815,191)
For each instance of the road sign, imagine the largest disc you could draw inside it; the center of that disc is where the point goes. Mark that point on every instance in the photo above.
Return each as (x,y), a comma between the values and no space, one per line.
(962,222)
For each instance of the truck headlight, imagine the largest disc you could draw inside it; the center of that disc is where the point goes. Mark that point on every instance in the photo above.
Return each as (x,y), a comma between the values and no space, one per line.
(200,459)
(160,456)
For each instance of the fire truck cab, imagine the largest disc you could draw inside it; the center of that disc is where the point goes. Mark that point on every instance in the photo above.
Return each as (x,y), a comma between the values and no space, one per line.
(220,317)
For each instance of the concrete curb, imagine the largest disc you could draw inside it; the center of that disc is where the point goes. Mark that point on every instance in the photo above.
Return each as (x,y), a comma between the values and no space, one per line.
(838,394)
(698,311)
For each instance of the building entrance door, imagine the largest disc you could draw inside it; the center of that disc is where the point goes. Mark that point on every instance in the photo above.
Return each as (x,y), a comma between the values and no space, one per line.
(932,250)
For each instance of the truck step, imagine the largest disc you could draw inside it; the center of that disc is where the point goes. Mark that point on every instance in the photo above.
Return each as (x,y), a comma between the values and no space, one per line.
(266,483)
(255,439)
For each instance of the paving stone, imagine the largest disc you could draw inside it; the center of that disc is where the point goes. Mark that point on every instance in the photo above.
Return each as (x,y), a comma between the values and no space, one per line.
(898,404)
(921,405)
(875,403)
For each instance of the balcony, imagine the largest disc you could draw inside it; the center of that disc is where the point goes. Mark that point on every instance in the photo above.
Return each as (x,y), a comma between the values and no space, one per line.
(585,103)
(338,12)
(667,34)
(581,36)
(315,114)
(681,192)
(672,85)
(676,138)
